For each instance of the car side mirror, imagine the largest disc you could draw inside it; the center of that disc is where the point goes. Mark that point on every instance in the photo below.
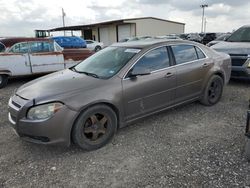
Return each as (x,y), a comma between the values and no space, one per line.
(139,72)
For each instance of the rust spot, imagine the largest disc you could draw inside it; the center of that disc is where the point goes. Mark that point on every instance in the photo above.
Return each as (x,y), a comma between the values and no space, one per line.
(46,53)
(77,54)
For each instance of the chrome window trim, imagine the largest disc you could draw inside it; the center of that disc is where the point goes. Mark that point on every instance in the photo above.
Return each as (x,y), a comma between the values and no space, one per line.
(166,45)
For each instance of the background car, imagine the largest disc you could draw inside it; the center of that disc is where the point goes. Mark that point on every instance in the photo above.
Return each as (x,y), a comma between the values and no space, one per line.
(27,56)
(222,37)
(238,47)
(194,37)
(168,37)
(129,39)
(208,37)
(70,41)
(94,45)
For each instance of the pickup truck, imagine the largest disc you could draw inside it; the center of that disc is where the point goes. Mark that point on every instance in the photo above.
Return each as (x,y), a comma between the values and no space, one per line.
(28,56)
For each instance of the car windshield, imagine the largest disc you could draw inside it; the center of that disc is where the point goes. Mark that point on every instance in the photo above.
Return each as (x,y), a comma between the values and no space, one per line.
(106,63)
(2,47)
(240,35)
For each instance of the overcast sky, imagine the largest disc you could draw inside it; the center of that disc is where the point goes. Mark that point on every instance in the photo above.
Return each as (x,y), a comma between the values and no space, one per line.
(22,17)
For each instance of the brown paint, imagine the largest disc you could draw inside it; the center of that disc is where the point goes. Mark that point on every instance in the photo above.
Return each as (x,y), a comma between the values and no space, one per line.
(76,54)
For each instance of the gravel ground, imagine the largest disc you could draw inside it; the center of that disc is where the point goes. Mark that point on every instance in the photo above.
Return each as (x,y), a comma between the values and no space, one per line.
(189,146)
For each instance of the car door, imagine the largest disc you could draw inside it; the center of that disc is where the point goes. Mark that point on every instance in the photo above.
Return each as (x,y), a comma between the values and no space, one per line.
(149,93)
(192,65)
(44,58)
(90,44)
(16,60)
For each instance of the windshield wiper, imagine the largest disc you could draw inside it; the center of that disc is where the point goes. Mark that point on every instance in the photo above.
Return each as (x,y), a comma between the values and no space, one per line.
(87,73)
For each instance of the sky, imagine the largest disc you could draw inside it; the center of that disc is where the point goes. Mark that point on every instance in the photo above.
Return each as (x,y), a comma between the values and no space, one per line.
(22,17)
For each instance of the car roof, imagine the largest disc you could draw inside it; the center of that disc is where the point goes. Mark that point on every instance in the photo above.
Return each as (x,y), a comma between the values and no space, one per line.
(8,42)
(147,43)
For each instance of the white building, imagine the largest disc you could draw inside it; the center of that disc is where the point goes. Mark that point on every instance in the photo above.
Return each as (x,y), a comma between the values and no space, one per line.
(113,31)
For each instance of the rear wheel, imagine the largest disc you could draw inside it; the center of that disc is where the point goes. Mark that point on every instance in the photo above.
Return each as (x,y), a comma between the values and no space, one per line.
(3,80)
(213,91)
(95,127)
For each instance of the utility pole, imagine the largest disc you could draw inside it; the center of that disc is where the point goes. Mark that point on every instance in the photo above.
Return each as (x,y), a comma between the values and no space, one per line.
(205,24)
(63,15)
(202,19)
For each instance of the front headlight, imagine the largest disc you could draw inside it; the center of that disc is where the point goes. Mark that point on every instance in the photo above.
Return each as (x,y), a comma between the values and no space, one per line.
(44,111)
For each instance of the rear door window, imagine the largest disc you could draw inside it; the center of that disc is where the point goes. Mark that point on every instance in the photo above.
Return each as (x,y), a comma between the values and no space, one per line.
(184,53)
(41,46)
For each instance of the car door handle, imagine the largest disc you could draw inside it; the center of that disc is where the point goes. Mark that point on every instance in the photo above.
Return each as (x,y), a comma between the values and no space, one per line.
(169,74)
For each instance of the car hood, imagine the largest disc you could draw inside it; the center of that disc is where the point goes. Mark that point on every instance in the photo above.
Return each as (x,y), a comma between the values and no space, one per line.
(233,47)
(57,83)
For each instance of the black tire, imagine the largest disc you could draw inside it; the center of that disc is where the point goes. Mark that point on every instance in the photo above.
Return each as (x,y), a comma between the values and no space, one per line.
(3,80)
(95,127)
(213,91)
(247,149)
(98,48)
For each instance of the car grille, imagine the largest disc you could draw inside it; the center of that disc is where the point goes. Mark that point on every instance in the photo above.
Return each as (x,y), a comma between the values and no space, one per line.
(238,59)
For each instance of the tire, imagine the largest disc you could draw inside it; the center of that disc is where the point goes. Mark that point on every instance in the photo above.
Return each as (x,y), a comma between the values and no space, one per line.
(98,48)
(3,80)
(95,127)
(247,149)
(213,91)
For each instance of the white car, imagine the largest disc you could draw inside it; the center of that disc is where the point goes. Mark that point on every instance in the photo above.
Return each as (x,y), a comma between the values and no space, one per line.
(94,45)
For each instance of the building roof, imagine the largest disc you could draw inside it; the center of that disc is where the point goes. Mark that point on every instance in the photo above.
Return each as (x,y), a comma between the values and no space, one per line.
(79,27)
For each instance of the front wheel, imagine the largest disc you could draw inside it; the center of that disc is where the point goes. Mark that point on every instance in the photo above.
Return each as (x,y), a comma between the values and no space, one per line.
(213,91)
(95,127)
(3,80)
(247,149)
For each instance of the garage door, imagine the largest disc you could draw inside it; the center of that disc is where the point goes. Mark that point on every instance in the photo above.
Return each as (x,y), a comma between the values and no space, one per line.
(124,31)
(104,36)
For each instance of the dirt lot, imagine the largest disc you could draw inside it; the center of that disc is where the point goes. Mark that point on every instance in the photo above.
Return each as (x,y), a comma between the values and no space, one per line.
(189,146)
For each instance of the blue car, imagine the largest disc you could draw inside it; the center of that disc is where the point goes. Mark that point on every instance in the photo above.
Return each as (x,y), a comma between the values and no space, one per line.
(70,42)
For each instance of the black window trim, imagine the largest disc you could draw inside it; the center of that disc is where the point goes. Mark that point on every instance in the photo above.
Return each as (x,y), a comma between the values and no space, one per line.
(188,62)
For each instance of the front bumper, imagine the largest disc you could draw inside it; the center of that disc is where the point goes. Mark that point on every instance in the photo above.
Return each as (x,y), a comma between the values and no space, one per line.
(55,130)
(248,124)
(240,72)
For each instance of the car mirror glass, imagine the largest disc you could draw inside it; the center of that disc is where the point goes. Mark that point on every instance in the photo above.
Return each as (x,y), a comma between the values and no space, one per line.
(139,72)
